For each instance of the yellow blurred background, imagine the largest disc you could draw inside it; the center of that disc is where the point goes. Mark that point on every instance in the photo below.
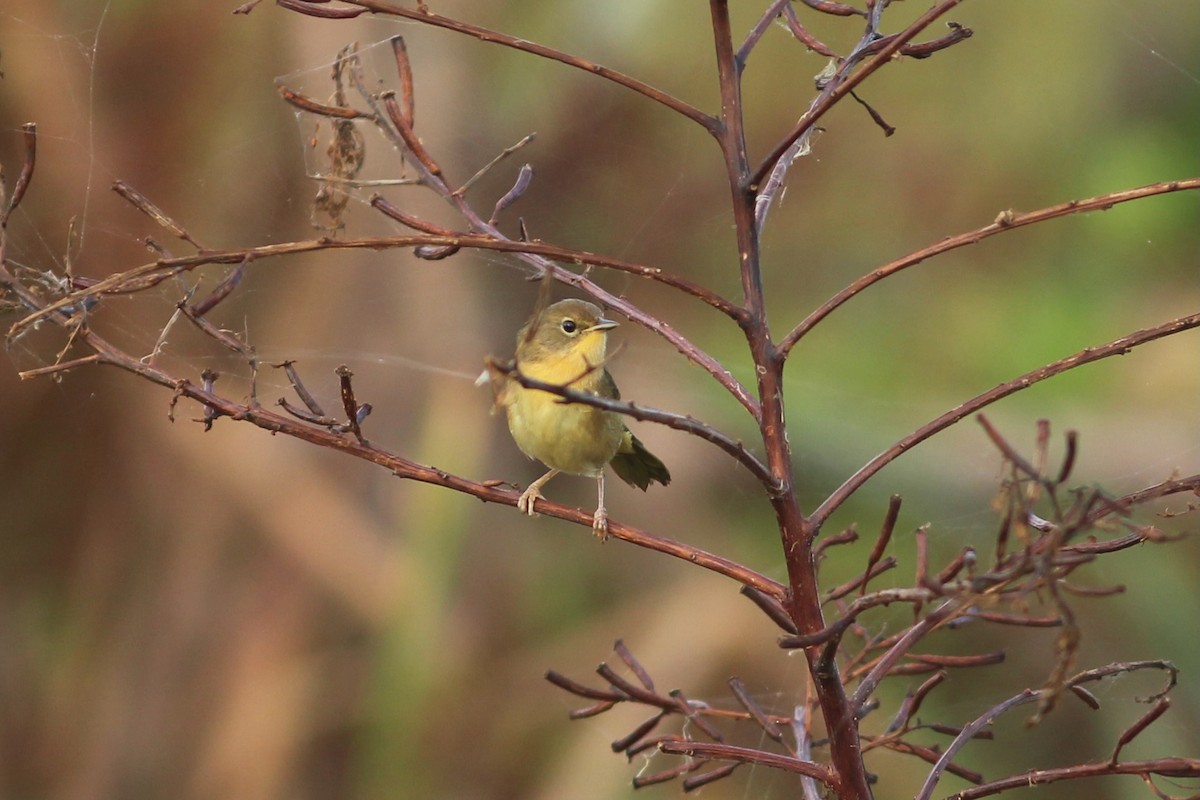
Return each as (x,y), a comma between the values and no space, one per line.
(232,614)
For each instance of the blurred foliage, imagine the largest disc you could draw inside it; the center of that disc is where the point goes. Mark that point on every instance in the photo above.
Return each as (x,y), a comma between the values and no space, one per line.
(234,615)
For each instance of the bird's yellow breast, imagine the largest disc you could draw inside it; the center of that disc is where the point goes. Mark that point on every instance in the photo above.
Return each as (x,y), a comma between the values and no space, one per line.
(570,437)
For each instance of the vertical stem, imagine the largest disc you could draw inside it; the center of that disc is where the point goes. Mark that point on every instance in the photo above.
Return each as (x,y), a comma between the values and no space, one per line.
(796,531)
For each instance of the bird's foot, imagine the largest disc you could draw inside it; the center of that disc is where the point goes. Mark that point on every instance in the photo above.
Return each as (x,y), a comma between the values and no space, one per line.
(600,524)
(526,500)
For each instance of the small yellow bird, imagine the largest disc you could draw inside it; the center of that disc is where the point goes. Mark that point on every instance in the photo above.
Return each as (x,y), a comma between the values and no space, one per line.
(566,348)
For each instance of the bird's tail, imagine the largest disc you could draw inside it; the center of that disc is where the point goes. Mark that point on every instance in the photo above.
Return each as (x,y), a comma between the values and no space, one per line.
(637,466)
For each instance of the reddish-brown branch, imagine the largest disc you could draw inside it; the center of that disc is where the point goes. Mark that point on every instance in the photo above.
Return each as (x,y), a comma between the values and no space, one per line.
(496,37)
(803,35)
(634,665)
(1088,355)
(883,667)
(143,204)
(881,543)
(1007,221)
(29,134)
(838,90)
(61,366)
(765,21)
(582,690)
(772,608)
(169,266)
(748,755)
(314,107)
(1143,722)
(1169,767)
(860,582)
(696,781)
(755,710)
(1159,490)
(930,756)
(403,468)
(925,49)
(803,603)
(316,8)
(404,74)
(678,422)
(968,733)
(836,9)
(403,136)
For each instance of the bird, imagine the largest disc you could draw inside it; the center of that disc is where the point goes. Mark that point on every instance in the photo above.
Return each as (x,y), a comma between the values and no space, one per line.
(564,344)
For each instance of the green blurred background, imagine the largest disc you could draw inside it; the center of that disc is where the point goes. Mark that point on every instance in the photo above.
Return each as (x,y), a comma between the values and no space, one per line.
(230,614)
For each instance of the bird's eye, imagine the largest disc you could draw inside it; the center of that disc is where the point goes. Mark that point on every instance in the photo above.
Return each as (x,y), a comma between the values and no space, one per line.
(569,326)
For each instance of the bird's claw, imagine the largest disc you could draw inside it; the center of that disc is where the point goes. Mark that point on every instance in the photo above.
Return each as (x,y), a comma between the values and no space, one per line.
(600,524)
(526,500)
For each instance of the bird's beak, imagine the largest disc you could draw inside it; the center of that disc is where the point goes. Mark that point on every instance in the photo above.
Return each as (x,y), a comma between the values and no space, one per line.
(603,325)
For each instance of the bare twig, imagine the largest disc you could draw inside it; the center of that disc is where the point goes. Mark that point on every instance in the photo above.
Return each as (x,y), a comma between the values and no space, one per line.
(322,109)
(505,153)
(1086,356)
(29,134)
(503,39)
(404,468)
(687,424)
(748,755)
(836,90)
(1006,221)
(313,8)
(968,733)
(404,74)
(766,723)
(141,203)
(1169,767)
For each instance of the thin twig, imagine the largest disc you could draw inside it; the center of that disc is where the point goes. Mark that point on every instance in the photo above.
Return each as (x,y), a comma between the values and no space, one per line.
(1006,221)
(836,91)
(141,203)
(505,153)
(61,366)
(505,40)
(748,755)
(29,134)
(279,423)
(968,733)
(1088,355)
(680,422)
(1170,767)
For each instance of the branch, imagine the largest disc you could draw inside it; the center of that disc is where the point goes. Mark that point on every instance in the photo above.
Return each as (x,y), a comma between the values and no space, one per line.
(1169,767)
(1159,490)
(1088,355)
(401,133)
(29,134)
(966,735)
(1176,767)
(748,755)
(495,37)
(1005,221)
(679,422)
(164,268)
(487,491)
(836,91)
(760,29)
(867,686)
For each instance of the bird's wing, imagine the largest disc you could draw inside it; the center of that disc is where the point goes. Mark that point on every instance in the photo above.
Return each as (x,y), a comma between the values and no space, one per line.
(606,387)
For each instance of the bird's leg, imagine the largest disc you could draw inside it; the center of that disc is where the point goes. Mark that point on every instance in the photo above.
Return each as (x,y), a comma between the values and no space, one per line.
(527,498)
(600,518)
